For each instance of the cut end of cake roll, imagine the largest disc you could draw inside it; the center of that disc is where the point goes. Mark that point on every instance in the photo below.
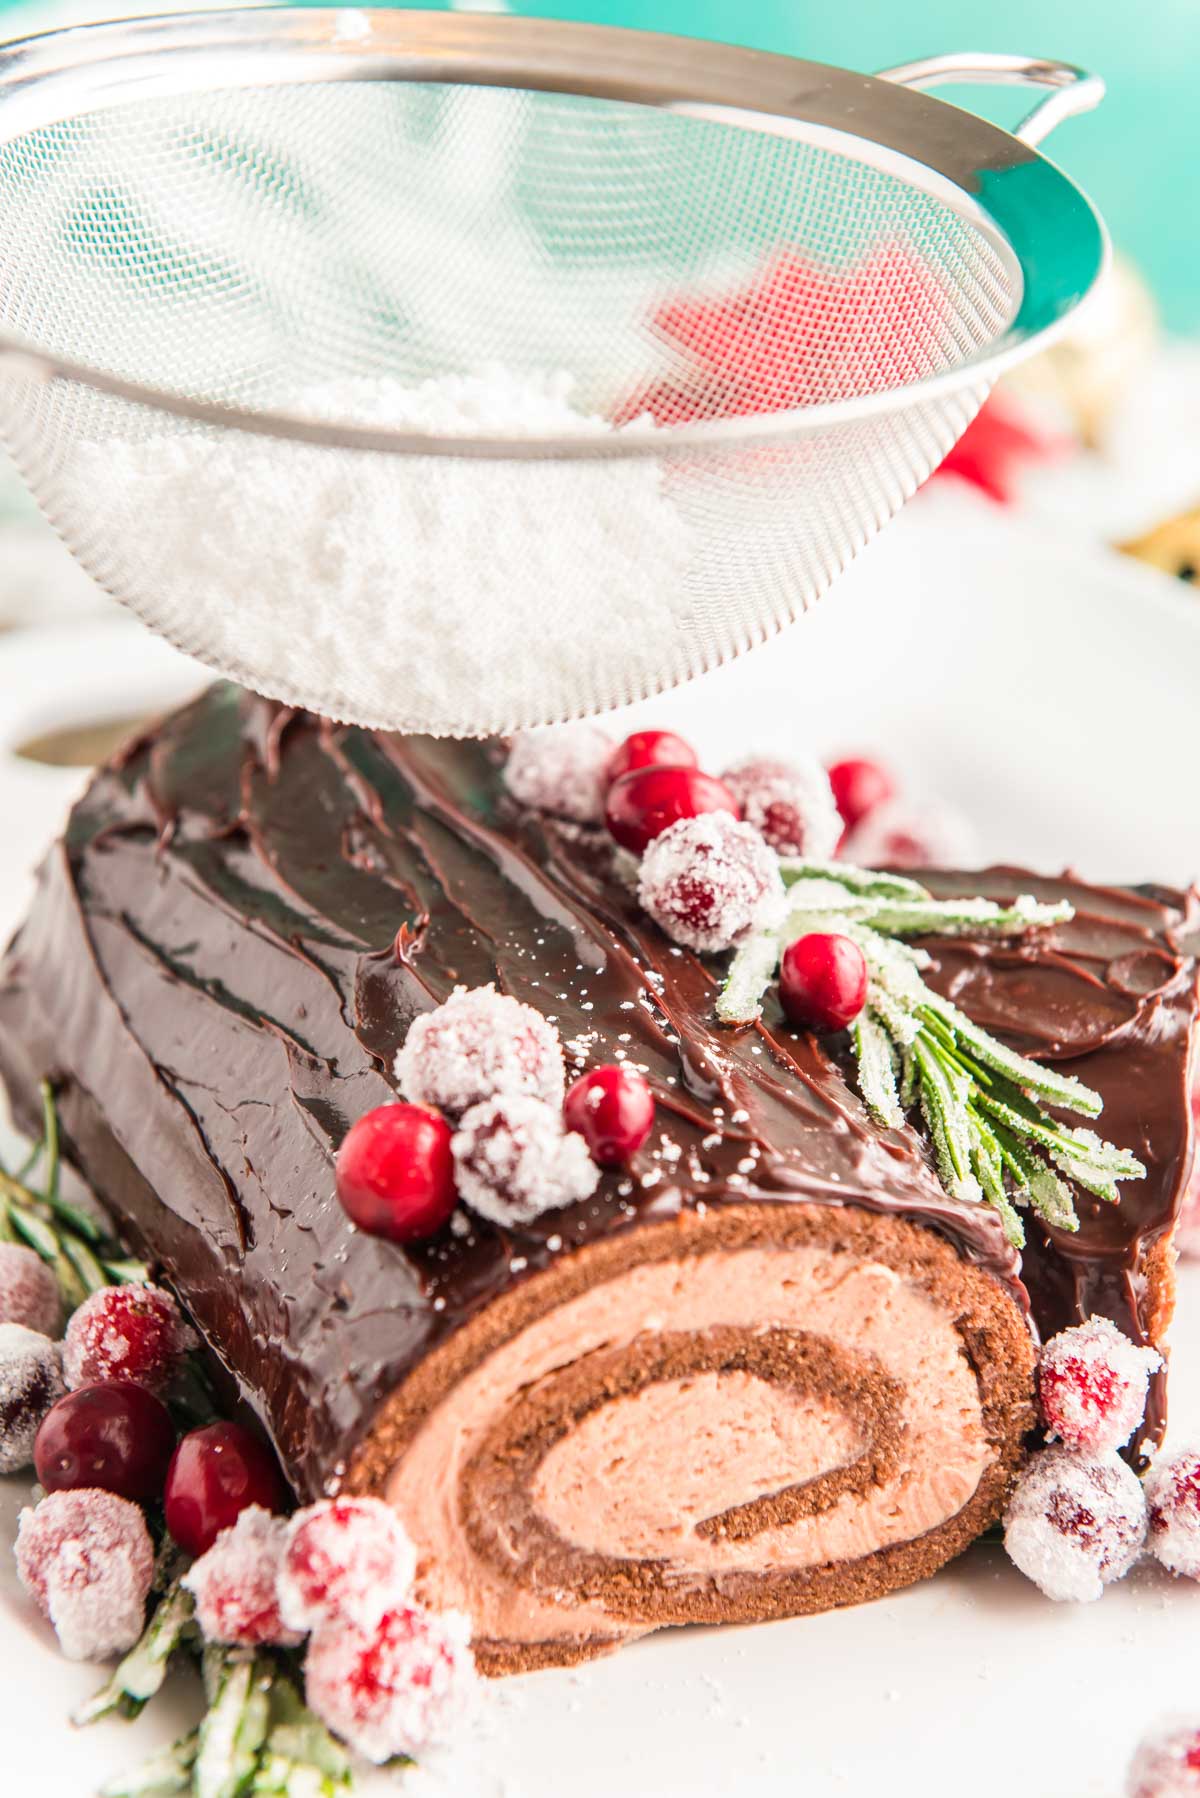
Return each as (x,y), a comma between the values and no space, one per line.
(727,1416)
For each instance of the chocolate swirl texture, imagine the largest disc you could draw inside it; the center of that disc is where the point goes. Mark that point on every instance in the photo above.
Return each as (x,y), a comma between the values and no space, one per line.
(248,909)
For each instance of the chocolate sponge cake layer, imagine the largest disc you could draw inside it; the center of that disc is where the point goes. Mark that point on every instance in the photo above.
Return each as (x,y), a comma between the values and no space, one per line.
(247,911)
(744,1412)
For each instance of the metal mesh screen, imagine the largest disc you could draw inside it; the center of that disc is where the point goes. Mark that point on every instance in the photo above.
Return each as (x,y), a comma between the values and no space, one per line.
(247,247)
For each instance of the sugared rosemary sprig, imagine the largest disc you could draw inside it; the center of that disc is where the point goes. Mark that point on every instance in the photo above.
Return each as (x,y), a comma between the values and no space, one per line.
(982,1105)
(257,1739)
(78,1244)
(141,1672)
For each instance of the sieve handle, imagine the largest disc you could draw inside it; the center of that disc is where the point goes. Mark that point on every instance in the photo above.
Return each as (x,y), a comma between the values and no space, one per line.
(1075,90)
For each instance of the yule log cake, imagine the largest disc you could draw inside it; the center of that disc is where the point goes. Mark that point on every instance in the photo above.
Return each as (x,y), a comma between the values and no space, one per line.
(775,1363)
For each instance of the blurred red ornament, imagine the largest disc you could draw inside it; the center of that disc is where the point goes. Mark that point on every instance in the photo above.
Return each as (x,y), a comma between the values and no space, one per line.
(801,333)
(995,449)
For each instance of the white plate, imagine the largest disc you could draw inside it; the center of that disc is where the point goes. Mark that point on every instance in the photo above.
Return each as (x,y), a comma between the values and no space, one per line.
(1051,694)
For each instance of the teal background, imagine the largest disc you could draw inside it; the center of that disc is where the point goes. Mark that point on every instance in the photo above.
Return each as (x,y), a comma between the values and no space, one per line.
(1136,156)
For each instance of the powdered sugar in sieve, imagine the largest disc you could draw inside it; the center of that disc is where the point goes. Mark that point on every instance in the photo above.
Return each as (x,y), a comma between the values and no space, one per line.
(350,571)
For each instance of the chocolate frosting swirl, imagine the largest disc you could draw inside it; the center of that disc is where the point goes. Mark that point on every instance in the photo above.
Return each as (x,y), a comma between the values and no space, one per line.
(251,905)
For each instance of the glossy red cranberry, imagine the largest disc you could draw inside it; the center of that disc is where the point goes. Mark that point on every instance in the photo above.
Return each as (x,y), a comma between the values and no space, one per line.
(651,749)
(612,1108)
(112,1434)
(823,982)
(215,1474)
(647,801)
(395,1172)
(859,786)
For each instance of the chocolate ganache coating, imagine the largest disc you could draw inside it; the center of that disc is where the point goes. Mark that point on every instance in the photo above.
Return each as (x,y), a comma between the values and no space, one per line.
(250,906)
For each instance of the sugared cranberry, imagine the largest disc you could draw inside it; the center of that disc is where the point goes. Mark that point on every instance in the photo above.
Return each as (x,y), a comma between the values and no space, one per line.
(707,881)
(823,982)
(476,1045)
(612,1108)
(87,1560)
(902,834)
(345,1560)
(651,749)
(28,1290)
(216,1473)
(112,1435)
(1167,1762)
(1173,1496)
(1075,1523)
(859,786)
(790,804)
(395,1173)
(30,1382)
(1092,1384)
(647,801)
(395,1688)
(126,1333)
(563,770)
(514,1160)
(234,1583)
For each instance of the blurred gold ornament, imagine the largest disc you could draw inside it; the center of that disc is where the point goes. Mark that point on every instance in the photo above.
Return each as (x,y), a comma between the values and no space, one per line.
(1085,375)
(1173,546)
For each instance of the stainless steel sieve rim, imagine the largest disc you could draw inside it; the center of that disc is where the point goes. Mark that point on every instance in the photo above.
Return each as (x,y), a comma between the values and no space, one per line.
(1045,230)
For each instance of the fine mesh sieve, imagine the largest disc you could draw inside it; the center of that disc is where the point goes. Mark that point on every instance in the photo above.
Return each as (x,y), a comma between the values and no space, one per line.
(232,245)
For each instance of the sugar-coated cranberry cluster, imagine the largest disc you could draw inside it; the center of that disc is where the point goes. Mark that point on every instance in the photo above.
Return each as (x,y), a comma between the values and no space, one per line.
(86,1411)
(487,1120)
(484,1118)
(89,1412)
(1079,1517)
(385,1674)
(709,847)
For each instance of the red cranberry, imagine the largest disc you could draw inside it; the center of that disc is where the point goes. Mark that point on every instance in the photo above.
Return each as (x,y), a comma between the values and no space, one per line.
(647,801)
(858,787)
(612,1108)
(651,749)
(395,1172)
(823,982)
(113,1434)
(215,1474)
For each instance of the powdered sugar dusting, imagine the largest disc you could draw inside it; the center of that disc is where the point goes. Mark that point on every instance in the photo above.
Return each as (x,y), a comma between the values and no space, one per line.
(345,1559)
(395,1688)
(491,578)
(30,1382)
(707,881)
(1073,1525)
(87,1560)
(1173,1497)
(563,770)
(478,1044)
(513,1160)
(28,1290)
(790,804)
(1092,1383)
(234,1583)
